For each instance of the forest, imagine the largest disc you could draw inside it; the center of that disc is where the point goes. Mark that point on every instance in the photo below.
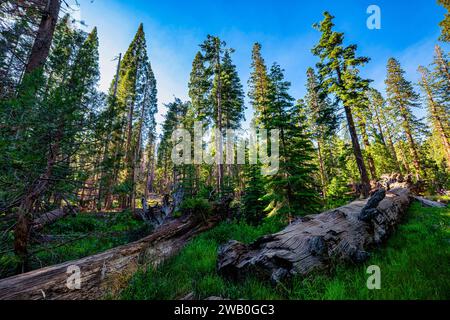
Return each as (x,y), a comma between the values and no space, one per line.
(91,185)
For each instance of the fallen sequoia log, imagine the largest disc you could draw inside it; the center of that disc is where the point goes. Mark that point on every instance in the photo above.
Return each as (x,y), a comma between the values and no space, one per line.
(315,242)
(102,273)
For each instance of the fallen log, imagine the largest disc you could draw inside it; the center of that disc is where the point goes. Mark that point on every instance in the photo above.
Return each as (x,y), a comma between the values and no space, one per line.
(103,273)
(316,242)
(51,217)
(429,203)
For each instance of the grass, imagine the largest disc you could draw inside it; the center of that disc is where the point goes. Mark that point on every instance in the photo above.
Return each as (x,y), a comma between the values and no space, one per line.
(415,264)
(83,235)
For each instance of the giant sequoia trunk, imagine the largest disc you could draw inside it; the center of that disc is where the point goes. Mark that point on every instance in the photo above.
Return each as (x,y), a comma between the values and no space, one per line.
(314,242)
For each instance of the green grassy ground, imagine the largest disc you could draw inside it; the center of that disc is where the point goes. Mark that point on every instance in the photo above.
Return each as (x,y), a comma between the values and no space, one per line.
(81,236)
(415,264)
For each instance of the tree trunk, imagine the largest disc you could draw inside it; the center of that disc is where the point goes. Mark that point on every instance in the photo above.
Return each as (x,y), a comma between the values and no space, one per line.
(129,157)
(379,126)
(429,203)
(356,147)
(365,137)
(150,172)
(404,159)
(442,64)
(315,243)
(219,128)
(390,140)
(106,272)
(323,174)
(358,154)
(22,229)
(44,37)
(412,146)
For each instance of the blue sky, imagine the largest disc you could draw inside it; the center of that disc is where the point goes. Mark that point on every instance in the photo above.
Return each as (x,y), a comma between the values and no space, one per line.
(175,28)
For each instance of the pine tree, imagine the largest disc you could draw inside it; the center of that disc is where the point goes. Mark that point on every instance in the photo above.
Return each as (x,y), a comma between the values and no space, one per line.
(445,24)
(170,175)
(402,98)
(217,94)
(322,121)
(44,36)
(259,85)
(339,70)
(363,119)
(233,94)
(380,115)
(259,89)
(438,113)
(148,121)
(17,34)
(252,202)
(291,188)
(214,49)
(56,116)
(441,65)
(133,108)
(199,88)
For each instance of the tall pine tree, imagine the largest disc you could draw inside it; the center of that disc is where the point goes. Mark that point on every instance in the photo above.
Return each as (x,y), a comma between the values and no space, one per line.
(445,24)
(322,121)
(402,99)
(291,189)
(339,69)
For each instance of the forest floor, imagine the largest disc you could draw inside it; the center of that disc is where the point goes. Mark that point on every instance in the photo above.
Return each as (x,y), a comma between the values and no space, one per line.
(415,264)
(73,238)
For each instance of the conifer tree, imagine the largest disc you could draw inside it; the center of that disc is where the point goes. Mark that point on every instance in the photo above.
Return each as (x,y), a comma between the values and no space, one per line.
(57,117)
(339,69)
(259,89)
(363,119)
(217,93)
(233,94)
(441,73)
(445,24)
(291,189)
(170,175)
(17,34)
(438,113)
(380,115)
(252,199)
(214,49)
(133,108)
(44,36)
(402,99)
(322,121)
(199,87)
(259,85)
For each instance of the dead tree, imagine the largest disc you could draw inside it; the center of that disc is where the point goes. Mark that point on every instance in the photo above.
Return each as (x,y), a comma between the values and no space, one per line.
(104,272)
(315,242)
